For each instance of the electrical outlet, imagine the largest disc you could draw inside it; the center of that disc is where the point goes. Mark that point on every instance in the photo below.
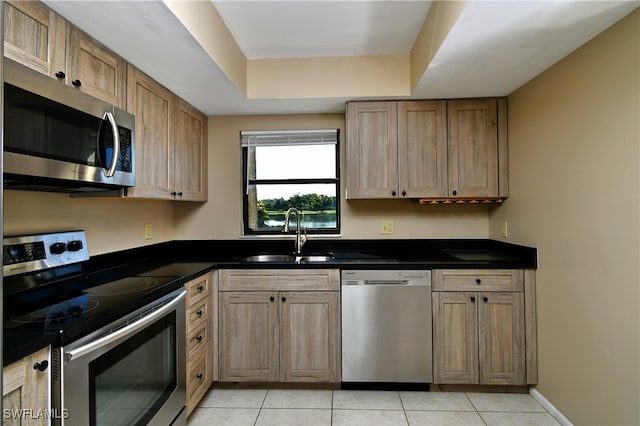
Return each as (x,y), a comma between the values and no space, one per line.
(147,231)
(504,230)
(387,227)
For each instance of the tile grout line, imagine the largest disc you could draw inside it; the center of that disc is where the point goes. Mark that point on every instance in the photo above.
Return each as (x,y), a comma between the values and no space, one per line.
(475,408)
(406,417)
(331,416)
(260,408)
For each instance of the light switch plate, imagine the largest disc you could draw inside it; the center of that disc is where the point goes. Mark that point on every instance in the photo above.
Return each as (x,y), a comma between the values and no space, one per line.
(148,231)
(504,230)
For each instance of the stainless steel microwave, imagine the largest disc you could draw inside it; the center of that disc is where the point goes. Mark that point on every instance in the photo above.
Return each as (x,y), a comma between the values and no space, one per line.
(57,138)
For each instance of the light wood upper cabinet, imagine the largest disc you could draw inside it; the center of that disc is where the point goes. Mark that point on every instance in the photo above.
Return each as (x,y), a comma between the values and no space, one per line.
(268,335)
(372,150)
(40,39)
(473,148)
(25,387)
(154,108)
(171,142)
(438,149)
(34,36)
(190,152)
(396,149)
(422,149)
(100,72)
(483,336)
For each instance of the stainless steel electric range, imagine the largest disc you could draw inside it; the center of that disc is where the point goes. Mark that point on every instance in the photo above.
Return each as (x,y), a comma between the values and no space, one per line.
(119,352)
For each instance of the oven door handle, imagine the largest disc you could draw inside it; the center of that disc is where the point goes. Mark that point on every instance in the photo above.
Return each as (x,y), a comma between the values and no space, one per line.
(125,331)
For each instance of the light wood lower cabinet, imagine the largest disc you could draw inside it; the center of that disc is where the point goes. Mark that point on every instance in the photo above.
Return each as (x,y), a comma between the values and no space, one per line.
(481,337)
(277,335)
(249,336)
(200,331)
(25,390)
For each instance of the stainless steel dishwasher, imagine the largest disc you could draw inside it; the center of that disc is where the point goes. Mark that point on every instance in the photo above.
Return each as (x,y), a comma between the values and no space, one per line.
(386,326)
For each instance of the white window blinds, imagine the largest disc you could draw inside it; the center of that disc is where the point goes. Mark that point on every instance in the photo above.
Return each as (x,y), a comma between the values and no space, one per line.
(289,137)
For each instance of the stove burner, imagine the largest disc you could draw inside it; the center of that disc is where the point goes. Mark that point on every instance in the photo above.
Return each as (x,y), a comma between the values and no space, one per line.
(124,286)
(59,313)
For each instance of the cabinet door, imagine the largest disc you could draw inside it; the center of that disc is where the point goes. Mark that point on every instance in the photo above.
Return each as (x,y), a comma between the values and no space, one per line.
(154,108)
(473,148)
(455,338)
(34,36)
(190,165)
(26,388)
(249,337)
(501,338)
(101,72)
(422,149)
(372,150)
(309,330)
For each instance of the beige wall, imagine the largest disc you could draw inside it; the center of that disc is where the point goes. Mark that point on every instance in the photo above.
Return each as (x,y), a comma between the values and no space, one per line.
(117,224)
(110,224)
(574,160)
(221,217)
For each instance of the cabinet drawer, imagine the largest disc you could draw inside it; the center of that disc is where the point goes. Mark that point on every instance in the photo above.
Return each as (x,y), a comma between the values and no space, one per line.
(198,379)
(198,338)
(478,280)
(197,315)
(198,289)
(279,279)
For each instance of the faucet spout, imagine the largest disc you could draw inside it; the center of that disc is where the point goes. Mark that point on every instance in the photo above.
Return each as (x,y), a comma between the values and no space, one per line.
(300,239)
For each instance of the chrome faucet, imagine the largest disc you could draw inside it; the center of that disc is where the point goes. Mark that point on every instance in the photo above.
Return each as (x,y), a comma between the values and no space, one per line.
(300,239)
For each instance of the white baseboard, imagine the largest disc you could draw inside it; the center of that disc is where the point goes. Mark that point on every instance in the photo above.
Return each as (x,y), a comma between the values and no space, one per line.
(549,407)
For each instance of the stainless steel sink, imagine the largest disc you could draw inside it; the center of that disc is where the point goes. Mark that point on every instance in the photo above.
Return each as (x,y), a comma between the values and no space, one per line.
(269,258)
(307,258)
(317,258)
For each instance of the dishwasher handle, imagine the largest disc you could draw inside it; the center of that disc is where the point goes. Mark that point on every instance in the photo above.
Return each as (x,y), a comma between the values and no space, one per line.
(385,282)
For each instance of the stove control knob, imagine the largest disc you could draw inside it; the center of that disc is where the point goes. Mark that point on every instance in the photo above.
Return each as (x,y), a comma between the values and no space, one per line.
(57,248)
(75,245)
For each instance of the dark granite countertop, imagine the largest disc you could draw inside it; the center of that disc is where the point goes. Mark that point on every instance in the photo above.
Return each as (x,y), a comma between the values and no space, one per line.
(367,254)
(189,259)
(17,345)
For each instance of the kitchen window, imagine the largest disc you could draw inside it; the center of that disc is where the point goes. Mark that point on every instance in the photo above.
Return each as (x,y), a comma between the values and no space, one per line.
(291,168)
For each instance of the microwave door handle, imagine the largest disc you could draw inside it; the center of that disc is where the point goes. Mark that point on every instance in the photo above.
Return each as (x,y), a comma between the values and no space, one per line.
(125,331)
(116,144)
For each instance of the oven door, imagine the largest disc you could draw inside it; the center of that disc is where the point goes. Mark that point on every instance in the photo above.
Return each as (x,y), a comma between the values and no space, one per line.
(130,372)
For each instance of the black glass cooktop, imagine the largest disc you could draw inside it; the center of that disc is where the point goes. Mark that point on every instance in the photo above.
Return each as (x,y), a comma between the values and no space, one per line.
(75,312)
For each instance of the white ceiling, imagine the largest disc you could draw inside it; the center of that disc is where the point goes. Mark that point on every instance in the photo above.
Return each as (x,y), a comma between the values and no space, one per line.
(300,29)
(494,47)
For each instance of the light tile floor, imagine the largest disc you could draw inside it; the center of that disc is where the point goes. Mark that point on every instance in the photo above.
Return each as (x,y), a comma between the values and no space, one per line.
(259,407)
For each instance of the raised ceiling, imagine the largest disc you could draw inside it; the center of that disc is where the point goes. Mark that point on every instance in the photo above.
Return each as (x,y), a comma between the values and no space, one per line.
(313,56)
